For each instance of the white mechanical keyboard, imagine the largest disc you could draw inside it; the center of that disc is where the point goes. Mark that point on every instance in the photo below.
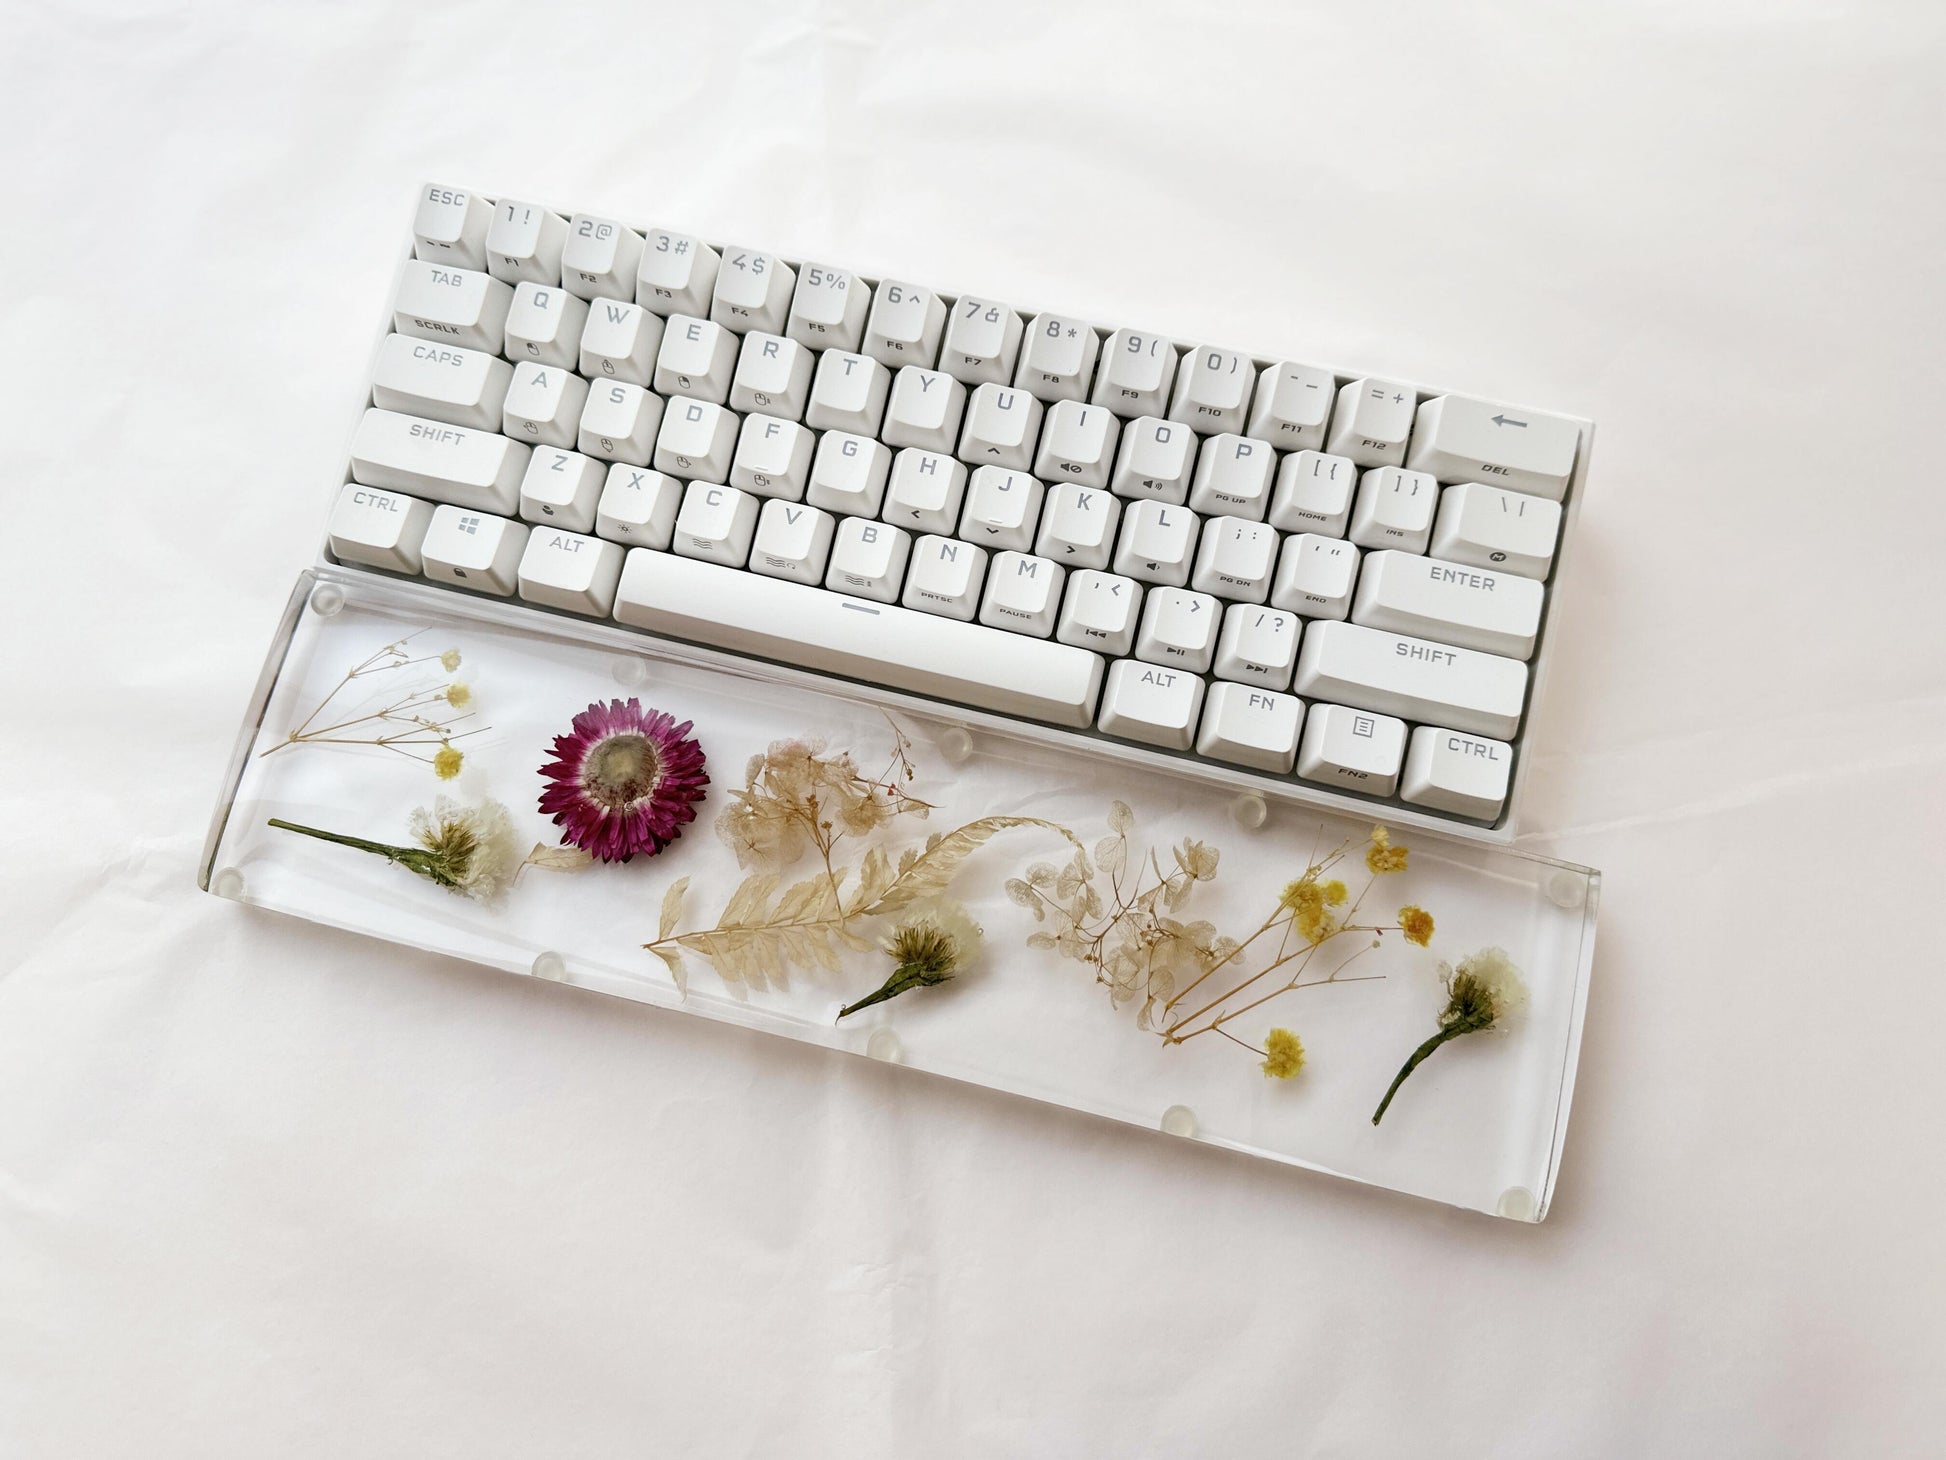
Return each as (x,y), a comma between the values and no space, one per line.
(1318,578)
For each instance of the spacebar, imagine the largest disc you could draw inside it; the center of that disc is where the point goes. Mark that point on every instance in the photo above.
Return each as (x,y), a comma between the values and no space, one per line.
(881,643)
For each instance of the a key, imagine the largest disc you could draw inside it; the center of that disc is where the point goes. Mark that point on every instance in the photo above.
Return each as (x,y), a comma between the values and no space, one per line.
(1157,543)
(450,227)
(828,308)
(453,306)
(1235,559)
(753,292)
(848,394)
(1414,678)
(1491,527)
(697,441)
(879,643)
(868,559)
(409,454)
(1057,358)
(599,259)
(1293,406)
(1248,726)
(1136,372)
(620,423)
(944,577)
(619,342)
(380,528)
(1467,775)
(1002,508)
(561,489)
(982,342)
(1077,444)
(793,541)
(715,524)
(1315,575)
(1002,424)
(1023,594)
(1499,613)
(440,382)
(1233,477)
(848,474)
(523,244)
(638,506)
(696,359)
(1394,510)
(544,324)
(925,492)
(1258,645)
(1371,421)
(923,410)
(677,274)
(1213,390)
(1461,440)
(1100,611)
(474,550)
(1354,750)
(1151,703)
(773,458)
(1179,628)
(905,326)
(1078,526)
(1156,460)
(1314,492)
(566,570)
(773,375)
(543,405)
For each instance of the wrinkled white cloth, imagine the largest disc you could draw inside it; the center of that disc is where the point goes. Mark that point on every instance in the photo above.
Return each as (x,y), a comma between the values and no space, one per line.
(268,1189)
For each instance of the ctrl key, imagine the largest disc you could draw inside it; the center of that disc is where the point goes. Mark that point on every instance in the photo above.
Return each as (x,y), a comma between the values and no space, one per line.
(378,528)
(1149,703)
(1464,774)
(474,550)
(1354,750)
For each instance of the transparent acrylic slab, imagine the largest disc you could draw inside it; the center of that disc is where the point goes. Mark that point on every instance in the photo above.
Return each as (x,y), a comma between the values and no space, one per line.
(1480,1124)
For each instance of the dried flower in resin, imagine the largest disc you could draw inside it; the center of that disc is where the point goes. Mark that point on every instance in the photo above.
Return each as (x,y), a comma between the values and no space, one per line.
(934,942)
(1483,992)
(469,850)
(1283,1055)
(624,781)
(409,721)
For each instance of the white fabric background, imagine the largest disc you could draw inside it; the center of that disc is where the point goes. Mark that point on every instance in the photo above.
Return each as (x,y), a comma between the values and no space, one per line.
(267,1190)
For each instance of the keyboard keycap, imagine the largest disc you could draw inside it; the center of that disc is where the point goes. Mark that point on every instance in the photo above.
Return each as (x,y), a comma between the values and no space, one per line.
(620,422)
(697,441)
(1371,421)
(1156,461)
(1293,405)
(945,577)
(1413,678)
(1213,390)
(1151,703)
(848,394)
(1351,749)
(697,358)
(1002,508)
(1100,612)
(565,570)
(773,375)
(1235,559)
(1077,444)
(1179,628)
(1078,526)
(638,506)
(453,306)
(1002,424)
(1315,576)
(1251,727)
(544,324)
(1136,373)
(1499,613)
(925,492)
(982,342)
(1463,774)
(1462,440)
(1491,527)
(1157,543)
(828,308)
(924,410)
(1023,594)
(477,469)
(599,259)
(1233,477)
(1395,509)
(716,524)
(677,274)
(474,550)
(523,243)
(1258,645)
(753,292)
(868,558)
(379,528)
(878,643)
(793,541)
(1314,492)
(543,405)
(440,382)
(773,458)
(905,326)
(1057,358)
(620,342)
(450,227)
(848,474)
(561,489)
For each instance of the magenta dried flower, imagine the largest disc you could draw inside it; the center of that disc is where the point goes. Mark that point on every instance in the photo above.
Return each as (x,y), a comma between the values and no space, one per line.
(626,781)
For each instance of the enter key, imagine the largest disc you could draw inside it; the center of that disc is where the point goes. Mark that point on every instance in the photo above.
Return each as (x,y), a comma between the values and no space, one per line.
(1475,608)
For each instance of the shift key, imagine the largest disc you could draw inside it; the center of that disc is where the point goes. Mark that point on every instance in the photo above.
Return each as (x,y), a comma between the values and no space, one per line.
(1415,679)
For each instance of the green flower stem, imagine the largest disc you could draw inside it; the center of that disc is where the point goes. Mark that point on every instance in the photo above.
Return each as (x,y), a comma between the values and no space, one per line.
(904,979)
(415,859)
(1418,1057)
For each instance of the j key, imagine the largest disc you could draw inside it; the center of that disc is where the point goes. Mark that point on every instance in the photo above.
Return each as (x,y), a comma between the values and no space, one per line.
(620,423)
(1057,360)
(524,243)
(476,469)
(1464,774)
(1077,444)
(773,458)
(773,375)
(1157,543)
(1354,750)
(543,405)
(544,324)
(1412,678)
(848,474)
(793,541)
(453,306)
(450,227)
(474,550)
(1461,440)
(1395,509)
(867,558)
(1002,509)
(923,410)
(905,326)
(638,506)
(1490,527)
(1078,526)
(716,524)
(1248,726)
(1023,594)
(1235,559)
(1315,576)
(697,441)
(379,528)
(1314,492)
(1233,477)
(848,393)
(982,342)
(1136,373)
(443,382)
(1371,422)
(1002,424)
(565,570)
(1258,645)
(945,577)
(1179,628)
(1499,613)
(1293,405)
(620,341)
(1213,390)
(1156,460)
(753,292)
(925,492)
(561,489)
(1100,611)
(599,258)
(697,359)
(1151,703)
(828,308)
(677,274)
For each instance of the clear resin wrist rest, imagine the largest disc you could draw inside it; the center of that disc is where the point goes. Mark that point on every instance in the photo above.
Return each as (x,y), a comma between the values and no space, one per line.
(1209,958)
